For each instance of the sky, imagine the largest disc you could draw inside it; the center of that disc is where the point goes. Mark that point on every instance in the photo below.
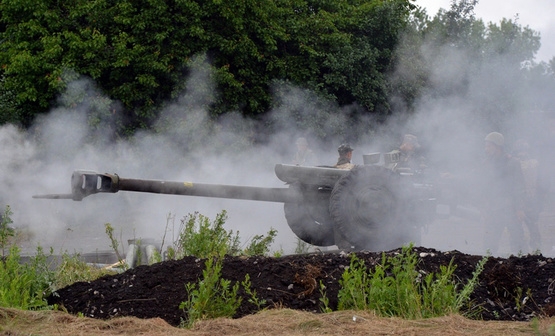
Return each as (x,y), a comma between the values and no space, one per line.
(537,14)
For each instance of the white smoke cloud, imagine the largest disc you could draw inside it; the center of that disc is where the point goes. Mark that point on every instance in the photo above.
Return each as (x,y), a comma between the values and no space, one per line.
(187,146)
(474,99)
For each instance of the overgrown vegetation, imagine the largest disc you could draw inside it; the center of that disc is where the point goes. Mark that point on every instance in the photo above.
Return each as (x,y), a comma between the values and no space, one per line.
(72,269)
(25,285)
(396,288)
(138,55)
(301,247)
(260,244)
(214,296)
(6,231)
(200,237)
(392,288)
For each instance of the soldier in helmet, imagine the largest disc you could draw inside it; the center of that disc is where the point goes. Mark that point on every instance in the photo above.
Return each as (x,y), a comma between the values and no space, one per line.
(407,156)
(345,155)
(535,191)
(304,155)
(502,191)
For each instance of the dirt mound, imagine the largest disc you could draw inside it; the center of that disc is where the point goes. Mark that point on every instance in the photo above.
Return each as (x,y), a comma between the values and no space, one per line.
(510,289)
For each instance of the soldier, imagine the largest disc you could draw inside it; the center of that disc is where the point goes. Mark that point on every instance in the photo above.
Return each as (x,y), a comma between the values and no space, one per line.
(545,153)
(304,156)
(502,192)
(345,155)
(406,156)
(535,191)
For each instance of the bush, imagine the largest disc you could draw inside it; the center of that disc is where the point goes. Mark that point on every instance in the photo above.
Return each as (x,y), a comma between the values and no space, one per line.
(201,238)
(260,244)
(24,285)
(396,288)
(73,269)
(212,297)
(6,231)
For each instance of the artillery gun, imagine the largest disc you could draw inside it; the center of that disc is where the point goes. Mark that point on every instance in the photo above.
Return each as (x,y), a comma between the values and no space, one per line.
(369,207)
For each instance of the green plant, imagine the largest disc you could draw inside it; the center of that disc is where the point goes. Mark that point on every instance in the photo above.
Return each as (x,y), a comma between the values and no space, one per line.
(396,288)
(156,257)
(25,285)
(354,283)
(260,244)
(253,298)
(72,269)
(201,238)
(212,297)
(278,253)
(6,231)
(139,255)
(464,294)
(536,326)
(301,247)
(169,219)
(114,244)
(324,299)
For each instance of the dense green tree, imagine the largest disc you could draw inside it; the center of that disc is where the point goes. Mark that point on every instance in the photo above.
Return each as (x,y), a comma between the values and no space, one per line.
(138,52)
(447,55)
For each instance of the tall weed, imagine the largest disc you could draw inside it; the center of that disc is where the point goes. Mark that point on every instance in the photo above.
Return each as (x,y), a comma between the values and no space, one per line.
(396,288)
(6,231)
(72,269)
(201,238)
(212,297)
(260,244)
(24,285)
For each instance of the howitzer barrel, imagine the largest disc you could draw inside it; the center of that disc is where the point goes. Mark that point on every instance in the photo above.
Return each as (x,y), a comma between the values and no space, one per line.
(85,183)
(282,195)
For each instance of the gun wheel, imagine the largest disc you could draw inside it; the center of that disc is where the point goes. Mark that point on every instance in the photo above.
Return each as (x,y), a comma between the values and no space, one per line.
(364,205)
(310,219)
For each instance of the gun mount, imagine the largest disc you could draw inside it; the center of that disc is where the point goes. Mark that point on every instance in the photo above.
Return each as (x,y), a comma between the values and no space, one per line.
(368,207)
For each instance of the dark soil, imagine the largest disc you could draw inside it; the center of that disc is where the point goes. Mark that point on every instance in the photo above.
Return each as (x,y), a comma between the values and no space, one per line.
(515,288)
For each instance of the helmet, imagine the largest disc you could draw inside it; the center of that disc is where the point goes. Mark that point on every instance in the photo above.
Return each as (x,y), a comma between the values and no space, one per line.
(496,138)
(302,142)
(412,139)
(344,148)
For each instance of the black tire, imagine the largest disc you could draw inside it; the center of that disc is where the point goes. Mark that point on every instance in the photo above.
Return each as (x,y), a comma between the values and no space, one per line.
(365,208)
(310,219)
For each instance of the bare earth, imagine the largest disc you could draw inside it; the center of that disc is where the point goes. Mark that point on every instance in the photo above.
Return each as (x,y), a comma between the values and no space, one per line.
(145,300)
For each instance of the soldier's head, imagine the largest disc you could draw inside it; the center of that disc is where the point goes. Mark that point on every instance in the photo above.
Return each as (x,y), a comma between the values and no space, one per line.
(494,143)
(302,144)
(345,150)
(410,143)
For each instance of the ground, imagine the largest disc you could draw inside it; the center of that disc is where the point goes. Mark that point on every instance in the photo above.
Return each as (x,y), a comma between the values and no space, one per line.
(510,289)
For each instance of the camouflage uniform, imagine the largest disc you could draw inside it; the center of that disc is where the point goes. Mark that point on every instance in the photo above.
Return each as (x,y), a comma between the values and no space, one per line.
(406,161)
(344,162)
(304,155)
(346,165)
(534,192)
(407,156)
(305,158)
(503,194)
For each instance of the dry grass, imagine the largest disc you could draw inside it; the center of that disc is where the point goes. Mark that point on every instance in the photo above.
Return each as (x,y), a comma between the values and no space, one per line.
(270,322)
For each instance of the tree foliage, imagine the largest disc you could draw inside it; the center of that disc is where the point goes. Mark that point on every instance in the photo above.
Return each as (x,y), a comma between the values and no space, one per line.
(443,56)
(138,52)
(375,56)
